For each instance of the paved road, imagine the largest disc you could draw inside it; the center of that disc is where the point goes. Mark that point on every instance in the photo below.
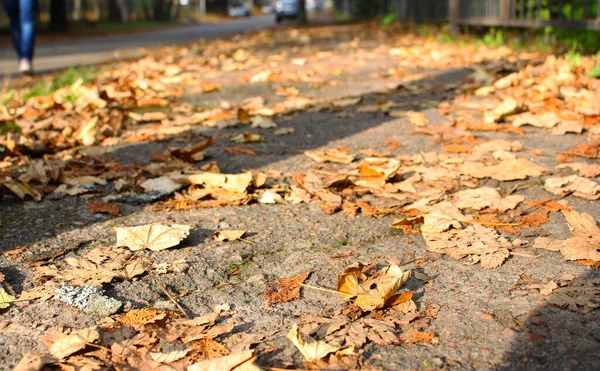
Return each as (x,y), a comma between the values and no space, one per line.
(52,56)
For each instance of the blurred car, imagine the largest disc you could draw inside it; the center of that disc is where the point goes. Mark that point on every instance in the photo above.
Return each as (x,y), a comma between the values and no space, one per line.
(286,9)
(238,9)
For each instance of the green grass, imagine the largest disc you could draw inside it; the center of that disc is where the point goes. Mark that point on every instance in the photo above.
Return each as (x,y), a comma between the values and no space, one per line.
(65,79)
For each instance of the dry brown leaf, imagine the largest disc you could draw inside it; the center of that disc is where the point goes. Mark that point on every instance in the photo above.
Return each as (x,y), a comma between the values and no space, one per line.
(247,138)
(261,122)
(585,245)
(104,207)
(347,102)
(482,244)
(240,150)
(337,155)
(546,120)
(286,289)
(486,197)
(243,361)
(370,293)
(154,237)
(581,293)
(162,185)
(34,362)
(577,185)
(65,345)
(417,118)
(584,169)
(21,189)
(415,336)
(236,183)
(169,357)
(511,169)
(312,351)
(222,236)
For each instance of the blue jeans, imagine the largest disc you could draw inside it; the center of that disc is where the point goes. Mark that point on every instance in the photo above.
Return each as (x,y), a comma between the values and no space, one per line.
(22,25)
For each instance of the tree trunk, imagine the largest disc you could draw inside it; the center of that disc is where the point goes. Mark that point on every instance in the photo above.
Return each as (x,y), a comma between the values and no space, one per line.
(113,11)
(302,19)
(77,10)
(124,10)
(162,9)
(58,16)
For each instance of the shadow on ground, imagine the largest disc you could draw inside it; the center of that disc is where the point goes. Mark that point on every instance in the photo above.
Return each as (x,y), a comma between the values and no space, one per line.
(553,338)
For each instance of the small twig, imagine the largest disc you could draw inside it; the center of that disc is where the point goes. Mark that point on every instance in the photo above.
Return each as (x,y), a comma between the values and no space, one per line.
(246,241)
(164,289)
(524,255)
(499,224)
(333,291)
(98,346)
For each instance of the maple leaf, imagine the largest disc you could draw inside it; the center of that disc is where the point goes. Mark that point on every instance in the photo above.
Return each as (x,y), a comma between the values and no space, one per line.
(581,293)
(354,284)
(579,186)
(33,361)
(584,245)
(511,169)
(243,361)
(62,345)
(312,351)
(154,237)
(482,244)
(486,197)
(286,289)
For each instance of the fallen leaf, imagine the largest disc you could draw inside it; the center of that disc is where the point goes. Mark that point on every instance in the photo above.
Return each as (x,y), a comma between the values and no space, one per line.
(103,207)
(511,169)
(34,362)
(261,122)
(313,351)
(243,361)
(169,357)
(154,237)
(286,289)
(222,236)
(417,118)
(577,185)
(481,244)
(284,131)
(337,155)
(370,293)
(21,189)
(347,102)
(162,185)
(65,345)
(486,197)
(243,150)
(415,336)
(585,243)
(584,292)
(236,183)
(5,299)
(247,138)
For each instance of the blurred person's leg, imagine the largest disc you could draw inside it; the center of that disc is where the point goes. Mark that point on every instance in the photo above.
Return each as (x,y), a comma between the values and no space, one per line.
(12,10)
(27,20)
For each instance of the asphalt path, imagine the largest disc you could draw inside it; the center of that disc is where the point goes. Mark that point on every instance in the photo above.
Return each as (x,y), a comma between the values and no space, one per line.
(63,54)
